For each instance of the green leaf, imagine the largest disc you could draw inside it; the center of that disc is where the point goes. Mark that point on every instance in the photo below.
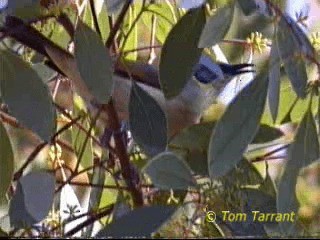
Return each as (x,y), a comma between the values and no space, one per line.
(268,185)
(303,40)
(114,5)
(287,201)
(296,70)
(194,152)
(44,72)
(167,171)
(87,18)
(180,54)
(165,19)
(287,98)
(100,8)
(302,152)
(267,134)
(254,201)
(246,173)
(274,82)
(27,96)
(148,123)
(94,63)
(237,127)
(109,195)
(60,36)
(98,177)
(132,38)
(216,27)
(6,163)
(186,139)
(248,6)
(150,219)
(290,51)
(24,9)
(32,200)
(260,201)
(305,148)
(79,136)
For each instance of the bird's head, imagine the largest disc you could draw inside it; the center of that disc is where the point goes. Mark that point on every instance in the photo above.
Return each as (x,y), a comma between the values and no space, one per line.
(218,74)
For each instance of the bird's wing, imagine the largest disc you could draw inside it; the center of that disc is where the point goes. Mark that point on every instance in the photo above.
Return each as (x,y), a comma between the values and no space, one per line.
(140,72)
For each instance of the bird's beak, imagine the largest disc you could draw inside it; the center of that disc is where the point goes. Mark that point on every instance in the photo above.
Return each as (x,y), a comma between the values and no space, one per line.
(243,68)
(237,69)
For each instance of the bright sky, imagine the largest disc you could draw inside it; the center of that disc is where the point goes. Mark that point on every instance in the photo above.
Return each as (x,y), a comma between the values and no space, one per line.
(3,3)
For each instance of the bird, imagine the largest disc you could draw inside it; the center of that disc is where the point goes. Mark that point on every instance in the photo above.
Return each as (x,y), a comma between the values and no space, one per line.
(206,82)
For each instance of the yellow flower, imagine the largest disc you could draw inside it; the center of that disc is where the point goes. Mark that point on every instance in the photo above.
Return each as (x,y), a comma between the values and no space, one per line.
(55,152)
(315,40)
(257,42)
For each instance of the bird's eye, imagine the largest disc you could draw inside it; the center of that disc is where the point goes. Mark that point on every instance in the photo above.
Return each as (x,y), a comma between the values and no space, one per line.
(203,74)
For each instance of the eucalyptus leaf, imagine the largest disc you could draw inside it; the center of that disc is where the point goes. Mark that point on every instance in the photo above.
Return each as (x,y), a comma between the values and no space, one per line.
(98,177)
(237,127)
(101,11)
(94,63)
(32,200)
(248,6)
(255,201)
(180,54)
(186,139)
(246,173)
(268,185)
(216,27)
(150,219)
(148,123)
(287,201)
(167,171)
(26,95)
(296,70)
(109,196)
(87,18)
(287,98)
(266,134)
(305,148)
(44,72)
(131,33)
(6,163)
(60,36)
(290,49)
(81,142)
(261,201)
(302,152)
(194,152)
(24,9)
(301,36)
(114,6)
(274,82)
(164,19)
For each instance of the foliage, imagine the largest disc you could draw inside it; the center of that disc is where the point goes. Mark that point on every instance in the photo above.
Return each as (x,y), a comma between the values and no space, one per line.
(123,149)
